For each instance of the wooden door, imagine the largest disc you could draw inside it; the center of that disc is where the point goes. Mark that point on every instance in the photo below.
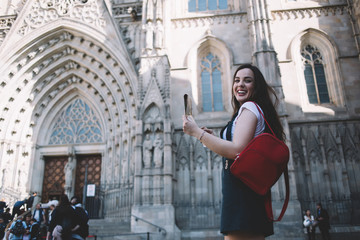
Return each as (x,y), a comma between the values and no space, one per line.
(93,163)
(54,178)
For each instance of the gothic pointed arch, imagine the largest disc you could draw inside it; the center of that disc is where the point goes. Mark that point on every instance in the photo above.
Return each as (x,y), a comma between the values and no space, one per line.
(77,123)
(56,56)
(210,61)
(50,64)
(153,95)
(319,76)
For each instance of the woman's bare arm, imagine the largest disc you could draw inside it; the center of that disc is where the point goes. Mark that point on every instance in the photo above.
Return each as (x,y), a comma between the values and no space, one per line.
(244,132)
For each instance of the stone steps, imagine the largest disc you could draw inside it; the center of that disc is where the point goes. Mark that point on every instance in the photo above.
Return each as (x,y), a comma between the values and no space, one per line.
(108,229)
(111,229)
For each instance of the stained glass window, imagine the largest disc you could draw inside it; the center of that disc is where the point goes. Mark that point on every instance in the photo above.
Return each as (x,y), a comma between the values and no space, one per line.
(76,124)
(314,73)
(206,5)
(211,87)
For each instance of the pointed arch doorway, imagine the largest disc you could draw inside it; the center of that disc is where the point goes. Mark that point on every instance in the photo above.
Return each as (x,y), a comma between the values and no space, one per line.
(73,156)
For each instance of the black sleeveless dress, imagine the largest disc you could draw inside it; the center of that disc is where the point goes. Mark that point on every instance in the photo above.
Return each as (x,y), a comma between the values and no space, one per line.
(242,209)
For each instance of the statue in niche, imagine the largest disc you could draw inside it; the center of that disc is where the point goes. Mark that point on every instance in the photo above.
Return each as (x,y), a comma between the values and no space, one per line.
(149,35)
(147,151)
(69,175)
(159,35)
(158,150)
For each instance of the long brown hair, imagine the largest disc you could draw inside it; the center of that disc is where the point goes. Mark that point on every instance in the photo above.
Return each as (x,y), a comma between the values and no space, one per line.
(261,96)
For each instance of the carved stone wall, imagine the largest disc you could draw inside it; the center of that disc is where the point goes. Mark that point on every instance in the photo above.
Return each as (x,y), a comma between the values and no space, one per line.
(326,161)
(198,184)
(131,62)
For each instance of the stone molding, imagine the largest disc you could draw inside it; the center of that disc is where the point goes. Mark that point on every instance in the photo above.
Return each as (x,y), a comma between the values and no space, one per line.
(208,20)
(309,12)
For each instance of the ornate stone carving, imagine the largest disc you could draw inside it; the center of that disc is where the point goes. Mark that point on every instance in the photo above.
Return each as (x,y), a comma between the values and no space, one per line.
(125,10)
(5,24)
(332,152)
(78,123)
(158,150)
(207,21)
(147,151)
(44,11)
(309,12)
(298,155)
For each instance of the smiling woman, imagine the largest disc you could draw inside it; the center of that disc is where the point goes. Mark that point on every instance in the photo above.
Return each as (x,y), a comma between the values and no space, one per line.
(244,85)
(243,214)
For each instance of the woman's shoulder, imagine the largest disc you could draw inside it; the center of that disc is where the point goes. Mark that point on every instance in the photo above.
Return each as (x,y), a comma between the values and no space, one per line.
(251,106)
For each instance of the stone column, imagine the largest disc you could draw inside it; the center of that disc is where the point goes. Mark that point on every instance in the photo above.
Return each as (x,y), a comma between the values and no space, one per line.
(138,163)
(264,56)
(354,15)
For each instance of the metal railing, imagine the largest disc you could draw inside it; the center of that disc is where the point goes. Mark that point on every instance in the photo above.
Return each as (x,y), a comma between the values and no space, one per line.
(160,229)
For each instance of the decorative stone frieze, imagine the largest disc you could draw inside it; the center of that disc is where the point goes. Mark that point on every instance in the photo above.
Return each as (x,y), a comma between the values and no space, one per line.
(194,22)
(309,12)
(6,23)
(45,11)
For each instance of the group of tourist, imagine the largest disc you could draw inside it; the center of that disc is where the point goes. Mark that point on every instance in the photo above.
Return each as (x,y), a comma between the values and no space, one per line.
(56,220)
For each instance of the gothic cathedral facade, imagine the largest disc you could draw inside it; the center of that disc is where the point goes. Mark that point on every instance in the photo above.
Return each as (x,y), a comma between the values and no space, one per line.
(92,95)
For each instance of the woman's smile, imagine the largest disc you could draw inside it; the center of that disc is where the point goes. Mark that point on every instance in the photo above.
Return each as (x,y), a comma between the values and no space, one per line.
(244,85)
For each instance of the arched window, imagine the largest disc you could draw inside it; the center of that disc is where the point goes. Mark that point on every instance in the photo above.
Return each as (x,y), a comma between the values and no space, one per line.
(206,5)
(211,86)
(320,82)
(76,124)
(314,73)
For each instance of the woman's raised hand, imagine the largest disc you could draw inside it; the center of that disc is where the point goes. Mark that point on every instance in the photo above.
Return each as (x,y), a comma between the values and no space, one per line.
(189,125)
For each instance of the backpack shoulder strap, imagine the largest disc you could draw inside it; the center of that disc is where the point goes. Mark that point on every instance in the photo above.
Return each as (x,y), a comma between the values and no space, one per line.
(268,206)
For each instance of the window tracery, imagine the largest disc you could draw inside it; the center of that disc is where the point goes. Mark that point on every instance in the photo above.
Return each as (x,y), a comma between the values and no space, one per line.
(211,83)
(314,73)
(76,124)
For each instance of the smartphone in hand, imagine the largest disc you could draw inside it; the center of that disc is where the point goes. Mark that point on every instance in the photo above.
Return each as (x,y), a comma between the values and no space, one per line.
(187,105)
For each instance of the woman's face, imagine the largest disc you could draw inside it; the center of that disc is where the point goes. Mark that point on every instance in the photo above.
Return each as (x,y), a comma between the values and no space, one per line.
(244,85)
